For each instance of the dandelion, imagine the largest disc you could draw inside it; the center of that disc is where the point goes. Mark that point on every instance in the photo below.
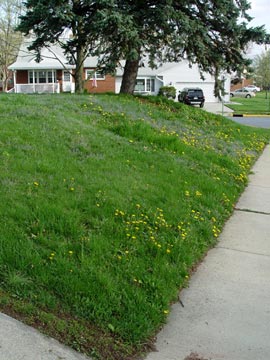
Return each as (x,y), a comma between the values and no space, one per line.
(71,189)
(165,312)
(168,251)
(36,183)
(70,252)
(51,257)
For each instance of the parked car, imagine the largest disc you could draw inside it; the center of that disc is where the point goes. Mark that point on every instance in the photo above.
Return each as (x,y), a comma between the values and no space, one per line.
(252,88)
(242,93)
(192,96)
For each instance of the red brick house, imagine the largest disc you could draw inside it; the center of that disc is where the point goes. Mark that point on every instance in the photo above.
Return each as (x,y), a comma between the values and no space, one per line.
(53,74)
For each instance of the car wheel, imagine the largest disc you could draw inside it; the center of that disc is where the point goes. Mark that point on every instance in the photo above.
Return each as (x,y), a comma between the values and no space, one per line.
(248,96)
(232,95)
(201,105)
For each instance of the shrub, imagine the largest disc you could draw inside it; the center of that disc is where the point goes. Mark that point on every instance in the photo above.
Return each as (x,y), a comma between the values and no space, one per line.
(168,91)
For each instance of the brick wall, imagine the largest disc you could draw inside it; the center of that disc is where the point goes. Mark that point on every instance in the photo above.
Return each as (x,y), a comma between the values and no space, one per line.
(241,84)
(22,77)
(108,84)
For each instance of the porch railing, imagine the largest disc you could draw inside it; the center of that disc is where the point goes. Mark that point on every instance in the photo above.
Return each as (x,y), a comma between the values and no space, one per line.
(37,88)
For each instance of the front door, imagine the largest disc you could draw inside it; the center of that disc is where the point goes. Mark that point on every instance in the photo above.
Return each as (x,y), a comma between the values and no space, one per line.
(67,81)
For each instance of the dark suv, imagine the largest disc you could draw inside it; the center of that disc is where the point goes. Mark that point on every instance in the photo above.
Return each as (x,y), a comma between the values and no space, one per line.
(191,96)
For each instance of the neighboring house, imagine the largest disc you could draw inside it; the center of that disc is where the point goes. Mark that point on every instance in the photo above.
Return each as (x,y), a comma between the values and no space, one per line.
(179,75)
(53,75)
(236,85)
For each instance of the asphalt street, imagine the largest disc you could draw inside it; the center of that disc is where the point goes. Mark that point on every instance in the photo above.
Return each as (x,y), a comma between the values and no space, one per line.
(261,122)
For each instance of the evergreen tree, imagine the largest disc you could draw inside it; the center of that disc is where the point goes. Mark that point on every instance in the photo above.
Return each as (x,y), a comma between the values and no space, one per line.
(211,33)
(48,19)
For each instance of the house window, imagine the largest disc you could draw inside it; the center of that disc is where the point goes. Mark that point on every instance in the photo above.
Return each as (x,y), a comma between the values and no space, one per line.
(66,76)
(91,74)
(41,76)
(30,73)
(145,85)
(51,76)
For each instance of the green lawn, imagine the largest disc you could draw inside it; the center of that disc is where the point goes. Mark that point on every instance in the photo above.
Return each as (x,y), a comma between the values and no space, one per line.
(260,104)
(107,203)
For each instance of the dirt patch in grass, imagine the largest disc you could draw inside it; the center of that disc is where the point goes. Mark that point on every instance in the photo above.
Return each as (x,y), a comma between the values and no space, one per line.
(75,333)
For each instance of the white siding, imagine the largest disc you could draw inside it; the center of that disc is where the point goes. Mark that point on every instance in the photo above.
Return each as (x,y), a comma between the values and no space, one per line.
(181,75)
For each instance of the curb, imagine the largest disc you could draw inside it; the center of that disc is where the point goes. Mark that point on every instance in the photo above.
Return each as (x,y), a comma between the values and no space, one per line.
(257,115)
(250,115)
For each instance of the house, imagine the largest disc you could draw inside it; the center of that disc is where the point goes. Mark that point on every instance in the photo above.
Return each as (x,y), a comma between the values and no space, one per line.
(179,75)
(53,75)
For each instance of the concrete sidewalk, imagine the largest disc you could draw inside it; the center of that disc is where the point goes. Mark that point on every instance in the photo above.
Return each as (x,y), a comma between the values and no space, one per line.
(21,342)
(226,313)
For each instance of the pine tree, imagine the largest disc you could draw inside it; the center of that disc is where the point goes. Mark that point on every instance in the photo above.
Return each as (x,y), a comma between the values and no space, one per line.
(211,33)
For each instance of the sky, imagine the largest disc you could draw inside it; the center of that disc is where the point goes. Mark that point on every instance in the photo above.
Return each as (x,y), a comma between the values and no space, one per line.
(260,11)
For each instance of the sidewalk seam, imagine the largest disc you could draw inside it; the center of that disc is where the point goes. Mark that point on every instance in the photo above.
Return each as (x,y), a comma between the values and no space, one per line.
(252,211)
(242,251)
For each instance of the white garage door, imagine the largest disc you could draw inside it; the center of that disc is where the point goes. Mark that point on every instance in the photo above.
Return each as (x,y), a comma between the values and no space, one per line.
(208,89)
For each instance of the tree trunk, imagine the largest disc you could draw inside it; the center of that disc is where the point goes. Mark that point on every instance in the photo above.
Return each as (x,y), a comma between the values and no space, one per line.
(129,76)
(5,85)
(79,81)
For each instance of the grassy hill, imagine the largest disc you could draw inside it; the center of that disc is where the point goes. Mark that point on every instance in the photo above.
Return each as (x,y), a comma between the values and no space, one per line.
(107,203)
